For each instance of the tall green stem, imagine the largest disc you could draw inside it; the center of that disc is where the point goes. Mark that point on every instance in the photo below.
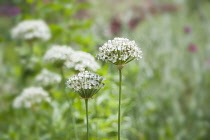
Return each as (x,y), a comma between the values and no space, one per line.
(70,104)
(86,106)
(120,83)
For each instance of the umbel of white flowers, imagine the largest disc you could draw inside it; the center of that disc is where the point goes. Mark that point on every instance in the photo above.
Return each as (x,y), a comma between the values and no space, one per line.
(81,60)
(66,56)
(57,55)
(86,84)
(31,96)
(47,78)
(31,29)
(119,51)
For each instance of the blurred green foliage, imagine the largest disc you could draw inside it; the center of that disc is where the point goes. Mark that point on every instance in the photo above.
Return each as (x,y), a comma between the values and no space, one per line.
(165,94)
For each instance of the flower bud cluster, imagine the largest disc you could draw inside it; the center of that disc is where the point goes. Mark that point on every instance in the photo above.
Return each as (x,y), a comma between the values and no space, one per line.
(86,83)
(47,78)
(31,96)
(80,61)
(31,29)
(57,54)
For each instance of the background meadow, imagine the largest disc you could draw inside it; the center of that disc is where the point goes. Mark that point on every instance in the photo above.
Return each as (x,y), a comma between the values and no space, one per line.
(165,95)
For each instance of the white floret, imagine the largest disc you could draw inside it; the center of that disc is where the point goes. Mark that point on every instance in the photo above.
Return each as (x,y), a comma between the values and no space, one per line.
(81,61)
(119,51)
(47,78)
(31,96)
(31,29)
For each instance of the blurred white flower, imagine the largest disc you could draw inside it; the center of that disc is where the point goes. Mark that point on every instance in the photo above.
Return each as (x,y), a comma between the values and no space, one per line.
(119,51)
(47,78)
(31,96)
(81,61)
(31,29)
(57,54)
(86,83)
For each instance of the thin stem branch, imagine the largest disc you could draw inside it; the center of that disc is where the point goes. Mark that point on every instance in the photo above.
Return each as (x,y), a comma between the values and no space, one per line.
(120,83)
(86,106)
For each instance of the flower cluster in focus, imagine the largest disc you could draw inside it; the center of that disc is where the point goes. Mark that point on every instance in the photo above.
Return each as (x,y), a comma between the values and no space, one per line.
(86,83)
(81,60)
(31,29)
(31,96)
(47,78)
(119,51)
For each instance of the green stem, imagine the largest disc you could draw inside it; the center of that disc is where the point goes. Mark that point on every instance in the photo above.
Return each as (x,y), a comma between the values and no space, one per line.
(120,83)
(63,78)
(96,112)
(70,104)
(86,106)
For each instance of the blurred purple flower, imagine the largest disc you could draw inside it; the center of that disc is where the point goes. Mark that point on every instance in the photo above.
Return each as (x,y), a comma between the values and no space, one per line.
(192,48)
(208,62)
(9,10)
(115,26)
(133,23)
(187,29)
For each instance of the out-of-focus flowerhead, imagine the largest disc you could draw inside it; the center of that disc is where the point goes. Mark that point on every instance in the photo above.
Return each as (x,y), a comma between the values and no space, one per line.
(31,29)
(30,97)
(192,48)
(187,29)
(57,55)
(119,51)
(115,26)
(86,84)
(208,62)
(9,10)
(81,61)
(47,78)
(134,22)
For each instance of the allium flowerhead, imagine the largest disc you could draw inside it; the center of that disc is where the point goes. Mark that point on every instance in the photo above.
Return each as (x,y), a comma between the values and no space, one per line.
(31,29)
(31,96)
(187,29)
(119,51)
(86,84)
(47,78)
(192,48)
(57,55)
(81,61)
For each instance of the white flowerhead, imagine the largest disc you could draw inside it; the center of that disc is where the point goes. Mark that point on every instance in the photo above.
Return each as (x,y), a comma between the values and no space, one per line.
(31,29)
(57,55)
(47,78)
(31,96)
(86,84)
(119,51)
(82,61)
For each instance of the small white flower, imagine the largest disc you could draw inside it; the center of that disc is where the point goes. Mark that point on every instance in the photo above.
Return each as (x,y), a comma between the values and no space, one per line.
(119,51)
(31,29)
(81,61)
(47,78)
(31,96)
(86,84)
(57,54)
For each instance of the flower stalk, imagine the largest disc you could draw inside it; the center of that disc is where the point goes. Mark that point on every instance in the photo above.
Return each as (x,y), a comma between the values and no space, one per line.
(119,52)
(86,107)
(119,111)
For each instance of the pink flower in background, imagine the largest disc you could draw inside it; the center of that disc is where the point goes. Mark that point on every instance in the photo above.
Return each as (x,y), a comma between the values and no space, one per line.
(115,26)
(133,23)
(9,10)
(208,62)
(187,29)
(192,48)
